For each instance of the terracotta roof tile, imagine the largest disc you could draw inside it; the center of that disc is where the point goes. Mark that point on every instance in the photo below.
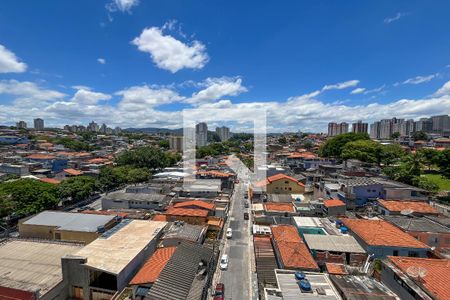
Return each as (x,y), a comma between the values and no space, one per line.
(214,173)
(293,251)
(437,274)
(416,206)
(279,207)
(40,156)
(105,213)
(151,269)
(73,172)
(187,212)
(336,269)
(278,177)
(382,233)
(199,203)
(333,203)
(159,217)
(50,180)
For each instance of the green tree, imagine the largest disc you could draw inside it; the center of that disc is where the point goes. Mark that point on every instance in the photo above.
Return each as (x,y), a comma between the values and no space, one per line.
(333,146)
(282,140)
(147,157)
(419,136)
(443,162)
(389,154)
(78,188)
(430,156)
(395,135)
(363,150)
(164,144)
(425,183)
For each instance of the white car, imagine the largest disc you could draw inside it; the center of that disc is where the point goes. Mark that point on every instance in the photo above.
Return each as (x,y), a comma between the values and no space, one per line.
(224,262)
(229,233)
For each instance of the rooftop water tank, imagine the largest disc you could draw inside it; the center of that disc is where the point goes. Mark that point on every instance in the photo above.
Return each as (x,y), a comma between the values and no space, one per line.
(300,275)
(305,285)
(344,229)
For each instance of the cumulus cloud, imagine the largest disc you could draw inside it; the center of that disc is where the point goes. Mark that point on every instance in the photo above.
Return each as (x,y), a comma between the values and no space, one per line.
(27,89)
(341,85)
(420,79)
(397,17)
(88,97)
(122,5)
(170,54)
(357,91)
(216,88)
(9,63)
(444,90)
(101,60)
(136,98)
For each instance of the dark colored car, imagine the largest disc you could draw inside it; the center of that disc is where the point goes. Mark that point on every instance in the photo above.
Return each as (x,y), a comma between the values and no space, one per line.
(219,293)
(245,216)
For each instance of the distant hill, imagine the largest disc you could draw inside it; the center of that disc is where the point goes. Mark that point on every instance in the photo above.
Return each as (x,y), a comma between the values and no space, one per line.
(154,130)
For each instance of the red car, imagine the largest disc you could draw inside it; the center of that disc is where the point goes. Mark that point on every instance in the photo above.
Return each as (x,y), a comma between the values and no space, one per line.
(219,294)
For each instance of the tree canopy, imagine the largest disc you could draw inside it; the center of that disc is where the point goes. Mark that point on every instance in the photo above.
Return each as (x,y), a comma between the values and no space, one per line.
(333,147)
(147,157)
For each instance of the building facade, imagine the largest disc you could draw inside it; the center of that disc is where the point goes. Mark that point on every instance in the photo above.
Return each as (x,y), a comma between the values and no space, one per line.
(38,124)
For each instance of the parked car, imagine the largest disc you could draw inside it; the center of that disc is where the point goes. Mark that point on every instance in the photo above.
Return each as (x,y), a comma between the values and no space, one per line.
(246,205)
(245,216)
(224,262)
(219,293)
(229,233)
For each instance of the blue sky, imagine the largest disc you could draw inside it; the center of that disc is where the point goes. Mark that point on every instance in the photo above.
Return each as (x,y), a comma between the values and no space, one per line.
(139,63)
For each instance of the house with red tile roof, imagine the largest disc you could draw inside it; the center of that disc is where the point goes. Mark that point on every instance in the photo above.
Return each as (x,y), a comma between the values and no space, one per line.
(382,239)
(196,204)
(417,278)
(281,184)
(50,180)
(334,207)
(151,269)
(291,252)
(276,209)
(189,215)
(397,207)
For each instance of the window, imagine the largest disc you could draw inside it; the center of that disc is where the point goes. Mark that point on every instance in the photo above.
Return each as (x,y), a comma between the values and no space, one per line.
(395,253)
(286,182)
(412,254)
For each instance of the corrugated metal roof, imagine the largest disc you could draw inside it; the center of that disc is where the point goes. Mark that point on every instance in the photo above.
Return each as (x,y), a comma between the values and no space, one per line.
(265,261)
(70,221)
(338,243)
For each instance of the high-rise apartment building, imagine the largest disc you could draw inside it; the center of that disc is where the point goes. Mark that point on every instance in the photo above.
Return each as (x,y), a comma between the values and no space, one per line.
(38,124)
(201,134)
(176,143)
(223,133)
(424,124)
(407,128)
(360,127)
(441,124)
(375,130)
(93,127)
(337,128)
(21,125)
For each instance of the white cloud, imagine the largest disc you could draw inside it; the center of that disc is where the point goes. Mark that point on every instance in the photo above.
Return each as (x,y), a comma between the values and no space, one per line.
(122,5)
(375,90)
(357,91)
(27,89)
(85,96)
(341,85)
(216,88)
(170,54)
(138,98)
(9,63)
(420,79)
(101,60)
(444,90)
(397,17)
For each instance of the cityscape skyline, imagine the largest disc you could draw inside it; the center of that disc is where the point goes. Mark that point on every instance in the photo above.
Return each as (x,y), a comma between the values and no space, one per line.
(338,83)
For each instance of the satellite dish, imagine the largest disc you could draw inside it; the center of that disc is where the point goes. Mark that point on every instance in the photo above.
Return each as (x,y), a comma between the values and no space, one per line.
(413,271)
(406,212)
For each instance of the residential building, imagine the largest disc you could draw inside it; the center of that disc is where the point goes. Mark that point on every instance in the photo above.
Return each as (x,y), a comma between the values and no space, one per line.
(150,271)
(130,200)
(176,143)
(423,229)
(441,124)
(291,252)
(31,270)
(397,207)
(179,232)
(375,130)
(19,170)
(39,124)
(382,239)
(334,207)
(407,128)
(314,225)
(342,249)
(21,125)
(417,278)
(48,161)
(93,127)
(65,226)
(385,129)
(360,127)
(106,265)
(188,215)
(337,128)
(201,134)
(223,133)
(357,192)
(289,287)
(265,261)
(186,275)
(281,184)
(361,288)
(204,188)
(424,124)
